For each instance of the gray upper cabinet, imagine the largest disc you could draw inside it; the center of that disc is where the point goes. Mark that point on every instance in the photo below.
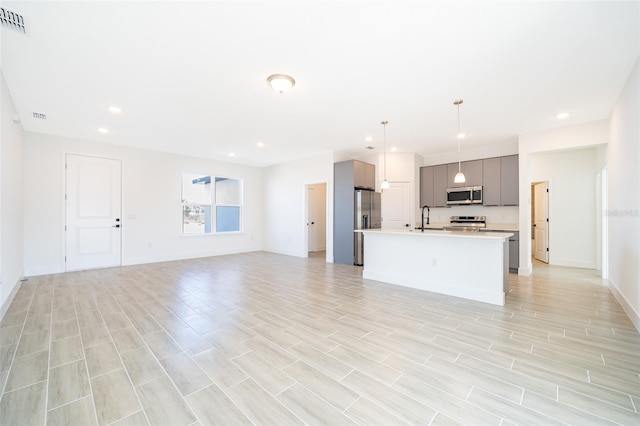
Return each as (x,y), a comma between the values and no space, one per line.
(509,181)
(433,186)
(472,172)
(491,181)
(498,177)
(364,175)
(426,186)
(440,186)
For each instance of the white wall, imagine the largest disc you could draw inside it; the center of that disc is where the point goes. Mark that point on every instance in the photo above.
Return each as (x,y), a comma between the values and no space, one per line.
(563,138)
(624,198)
(284,207)
(11,205)
(151,216)
(573,226)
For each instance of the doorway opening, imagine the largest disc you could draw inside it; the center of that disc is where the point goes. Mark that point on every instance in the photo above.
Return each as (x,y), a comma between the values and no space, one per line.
(540,221)
(316,219)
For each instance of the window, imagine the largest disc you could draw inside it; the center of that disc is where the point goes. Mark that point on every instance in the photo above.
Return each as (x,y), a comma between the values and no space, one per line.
(210,203)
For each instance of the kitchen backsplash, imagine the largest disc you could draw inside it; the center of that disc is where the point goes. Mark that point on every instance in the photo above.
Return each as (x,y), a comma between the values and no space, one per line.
(505,214)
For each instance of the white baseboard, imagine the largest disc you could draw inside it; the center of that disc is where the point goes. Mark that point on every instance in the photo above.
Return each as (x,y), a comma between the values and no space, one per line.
(628,307)
(43,270)
(7,302)
(169,258)
(573,263)
(525,271)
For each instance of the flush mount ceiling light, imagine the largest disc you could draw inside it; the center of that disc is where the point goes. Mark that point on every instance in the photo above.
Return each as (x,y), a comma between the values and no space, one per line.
(459,176)
(385,182)
(562,115)
(103,130)
(114,110)
(281,82)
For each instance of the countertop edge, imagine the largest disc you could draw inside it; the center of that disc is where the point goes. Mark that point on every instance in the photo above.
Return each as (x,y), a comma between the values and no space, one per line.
(435,233)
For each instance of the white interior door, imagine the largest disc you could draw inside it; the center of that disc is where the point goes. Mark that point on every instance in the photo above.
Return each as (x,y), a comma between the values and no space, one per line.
(316,221)
(397,206)
(541,222)
(93,212)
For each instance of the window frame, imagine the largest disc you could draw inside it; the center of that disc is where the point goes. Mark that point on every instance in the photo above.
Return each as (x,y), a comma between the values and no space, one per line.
(212,195)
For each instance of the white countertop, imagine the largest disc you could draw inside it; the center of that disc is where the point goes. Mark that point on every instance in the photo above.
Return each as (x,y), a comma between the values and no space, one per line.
(437,233)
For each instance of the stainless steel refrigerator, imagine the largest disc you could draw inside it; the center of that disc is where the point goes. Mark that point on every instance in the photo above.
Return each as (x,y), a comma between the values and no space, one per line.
(368,215)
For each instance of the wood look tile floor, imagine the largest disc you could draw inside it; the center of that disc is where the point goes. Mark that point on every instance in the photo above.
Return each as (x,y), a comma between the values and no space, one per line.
(267,339)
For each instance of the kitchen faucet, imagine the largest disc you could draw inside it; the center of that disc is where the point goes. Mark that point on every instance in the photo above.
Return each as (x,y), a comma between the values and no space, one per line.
(428,211)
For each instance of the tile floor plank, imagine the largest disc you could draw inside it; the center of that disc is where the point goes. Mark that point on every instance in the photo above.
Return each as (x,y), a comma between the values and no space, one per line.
(260,407)
(213,407)
(163,404)
(25,406)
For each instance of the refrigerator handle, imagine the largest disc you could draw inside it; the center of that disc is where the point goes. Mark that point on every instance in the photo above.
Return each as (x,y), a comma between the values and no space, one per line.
(365,221)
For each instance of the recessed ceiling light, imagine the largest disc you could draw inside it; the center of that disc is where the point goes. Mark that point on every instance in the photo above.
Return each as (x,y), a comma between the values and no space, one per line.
(368,138)
(231,154)
(260,144)
(103,130)
(562,115)
(394,149)
(114,110)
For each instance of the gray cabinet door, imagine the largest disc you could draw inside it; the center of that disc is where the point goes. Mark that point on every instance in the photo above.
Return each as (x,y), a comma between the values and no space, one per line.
(370,176)
(440,185)
(509,181)
(514,251)
(472,172)
(426,186)
(364,175)
(491,181)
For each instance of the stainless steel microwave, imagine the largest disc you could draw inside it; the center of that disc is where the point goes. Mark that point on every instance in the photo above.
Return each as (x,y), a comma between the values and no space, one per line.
(464,195)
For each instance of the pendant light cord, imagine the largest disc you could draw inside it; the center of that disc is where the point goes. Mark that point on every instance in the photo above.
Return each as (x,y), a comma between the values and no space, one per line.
(458,135)
(384,146)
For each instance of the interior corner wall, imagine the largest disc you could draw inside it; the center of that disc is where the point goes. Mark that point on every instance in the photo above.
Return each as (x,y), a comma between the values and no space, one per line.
(151,206)
(11,200)
(623,213)
(285,229)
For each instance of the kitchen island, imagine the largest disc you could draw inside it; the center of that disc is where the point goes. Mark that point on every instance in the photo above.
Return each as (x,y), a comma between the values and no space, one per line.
(471,265)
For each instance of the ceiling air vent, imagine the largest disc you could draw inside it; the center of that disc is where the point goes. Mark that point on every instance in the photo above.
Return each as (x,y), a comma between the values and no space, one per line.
(39,115)
(12,20)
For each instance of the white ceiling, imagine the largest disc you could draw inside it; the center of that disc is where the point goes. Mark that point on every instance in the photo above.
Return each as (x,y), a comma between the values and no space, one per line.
(190,77)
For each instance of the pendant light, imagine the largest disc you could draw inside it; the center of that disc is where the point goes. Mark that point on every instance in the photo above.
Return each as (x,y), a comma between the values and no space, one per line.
(385,182)
(459,176)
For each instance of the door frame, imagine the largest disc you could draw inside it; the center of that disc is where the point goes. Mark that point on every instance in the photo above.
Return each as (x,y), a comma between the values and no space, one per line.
(532,244)
(64,156)
(306,215)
